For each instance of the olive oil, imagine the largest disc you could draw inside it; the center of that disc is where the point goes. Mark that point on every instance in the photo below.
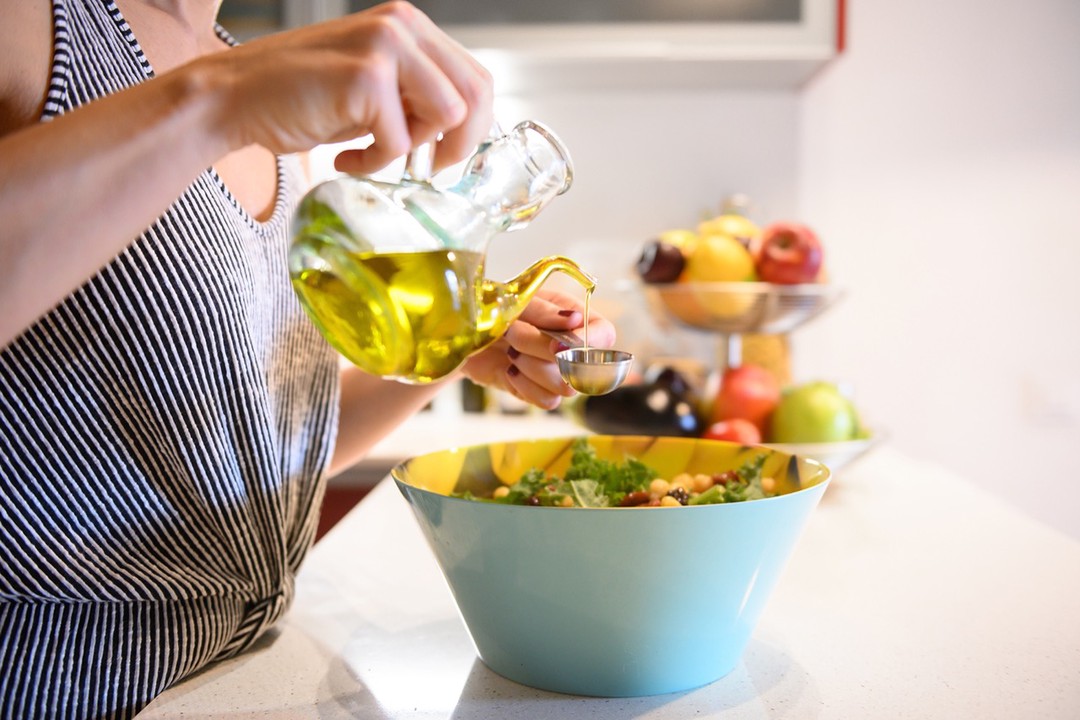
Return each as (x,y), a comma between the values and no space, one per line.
(585,333)
(413,316)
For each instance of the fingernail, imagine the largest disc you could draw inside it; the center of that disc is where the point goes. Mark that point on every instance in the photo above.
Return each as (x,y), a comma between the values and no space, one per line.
(561,346)
(513,353)
(513,371)
(567,313)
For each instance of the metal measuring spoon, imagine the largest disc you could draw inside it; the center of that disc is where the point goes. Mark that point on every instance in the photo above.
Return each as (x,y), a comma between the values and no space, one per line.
(590,371)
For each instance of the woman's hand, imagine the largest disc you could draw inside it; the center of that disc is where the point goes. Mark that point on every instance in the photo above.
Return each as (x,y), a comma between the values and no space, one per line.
(387,71)
(522,362)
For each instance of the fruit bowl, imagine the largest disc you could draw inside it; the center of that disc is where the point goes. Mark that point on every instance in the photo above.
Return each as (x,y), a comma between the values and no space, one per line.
(609,602)
(833,455)
(739,307)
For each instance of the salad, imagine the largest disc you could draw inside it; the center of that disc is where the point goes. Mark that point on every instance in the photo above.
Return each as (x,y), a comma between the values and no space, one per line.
(592,482)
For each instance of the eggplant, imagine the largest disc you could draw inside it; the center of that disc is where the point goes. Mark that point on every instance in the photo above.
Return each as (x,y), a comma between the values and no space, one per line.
(664,406)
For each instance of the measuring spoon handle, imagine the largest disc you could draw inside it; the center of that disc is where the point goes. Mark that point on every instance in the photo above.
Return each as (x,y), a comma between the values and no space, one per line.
(566,337)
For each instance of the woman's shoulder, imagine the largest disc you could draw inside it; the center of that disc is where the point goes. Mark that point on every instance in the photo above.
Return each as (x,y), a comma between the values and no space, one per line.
(26,41)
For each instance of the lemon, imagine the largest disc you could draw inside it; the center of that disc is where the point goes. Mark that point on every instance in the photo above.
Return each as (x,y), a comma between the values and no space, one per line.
(685,240)
(719,258)
(682,239)
(739,227)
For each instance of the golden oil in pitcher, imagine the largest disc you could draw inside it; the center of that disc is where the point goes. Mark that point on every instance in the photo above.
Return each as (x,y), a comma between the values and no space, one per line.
(419,318)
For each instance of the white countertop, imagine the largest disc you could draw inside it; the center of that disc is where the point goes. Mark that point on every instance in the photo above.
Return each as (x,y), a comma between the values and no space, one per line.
(911,595)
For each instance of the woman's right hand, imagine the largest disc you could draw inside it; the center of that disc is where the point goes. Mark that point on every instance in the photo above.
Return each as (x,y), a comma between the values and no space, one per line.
(387,71)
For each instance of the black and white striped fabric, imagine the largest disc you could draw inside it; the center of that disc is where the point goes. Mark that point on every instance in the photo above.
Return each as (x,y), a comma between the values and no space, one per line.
(163,433)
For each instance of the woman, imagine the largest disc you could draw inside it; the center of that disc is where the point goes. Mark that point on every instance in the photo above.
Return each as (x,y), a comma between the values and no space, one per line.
(167,414)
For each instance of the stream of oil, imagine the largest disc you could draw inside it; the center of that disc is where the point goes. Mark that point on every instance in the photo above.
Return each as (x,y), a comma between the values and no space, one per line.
(585,335)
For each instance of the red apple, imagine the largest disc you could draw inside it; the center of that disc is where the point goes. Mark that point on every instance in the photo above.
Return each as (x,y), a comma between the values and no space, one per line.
(749,392)
(788,253)
(737,430)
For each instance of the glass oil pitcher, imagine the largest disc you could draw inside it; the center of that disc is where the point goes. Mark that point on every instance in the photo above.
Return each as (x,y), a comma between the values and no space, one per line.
(392,274)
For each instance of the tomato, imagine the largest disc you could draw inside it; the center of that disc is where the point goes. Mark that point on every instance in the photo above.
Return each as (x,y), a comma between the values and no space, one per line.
(734,430)
(749,392)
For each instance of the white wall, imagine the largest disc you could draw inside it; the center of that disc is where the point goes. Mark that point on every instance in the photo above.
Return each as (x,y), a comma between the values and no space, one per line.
(644,163)
(648,162)
(941,161)
(939,158)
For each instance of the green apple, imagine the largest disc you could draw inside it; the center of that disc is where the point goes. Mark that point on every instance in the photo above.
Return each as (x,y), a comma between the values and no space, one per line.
(812,413)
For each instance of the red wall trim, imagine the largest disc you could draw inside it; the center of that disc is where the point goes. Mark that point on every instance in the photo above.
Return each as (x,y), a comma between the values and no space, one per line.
(841,25)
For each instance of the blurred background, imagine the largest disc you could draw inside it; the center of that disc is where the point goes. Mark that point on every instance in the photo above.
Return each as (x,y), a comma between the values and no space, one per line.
(934,147)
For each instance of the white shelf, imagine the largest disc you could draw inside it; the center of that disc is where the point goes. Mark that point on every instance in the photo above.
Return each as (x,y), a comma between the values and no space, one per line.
(545,71)
(636,56)
(650,56)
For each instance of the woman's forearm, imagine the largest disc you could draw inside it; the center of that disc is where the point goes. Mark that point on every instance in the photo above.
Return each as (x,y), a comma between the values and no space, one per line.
(75,191)
(370,409)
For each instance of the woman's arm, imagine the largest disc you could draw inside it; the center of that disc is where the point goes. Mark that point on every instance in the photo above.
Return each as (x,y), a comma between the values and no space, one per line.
(370,409)
(75,191)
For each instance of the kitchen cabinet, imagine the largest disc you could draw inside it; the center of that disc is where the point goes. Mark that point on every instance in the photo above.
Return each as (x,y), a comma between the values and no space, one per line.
(574,45)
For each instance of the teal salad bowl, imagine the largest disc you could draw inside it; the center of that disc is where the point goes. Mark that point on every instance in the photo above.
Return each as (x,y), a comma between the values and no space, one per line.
(609,601)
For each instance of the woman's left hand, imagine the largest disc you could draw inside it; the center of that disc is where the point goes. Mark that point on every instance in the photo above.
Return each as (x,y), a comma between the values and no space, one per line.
(522,362)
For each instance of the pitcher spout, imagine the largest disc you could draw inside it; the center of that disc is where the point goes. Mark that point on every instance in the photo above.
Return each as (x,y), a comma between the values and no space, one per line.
(503,302)
(529,280)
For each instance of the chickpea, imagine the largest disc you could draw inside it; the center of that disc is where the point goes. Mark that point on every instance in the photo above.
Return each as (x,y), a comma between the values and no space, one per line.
(668,501)
(566,501)
(768,484)
(659,487)
(683,480)
(501,492)
(702,483)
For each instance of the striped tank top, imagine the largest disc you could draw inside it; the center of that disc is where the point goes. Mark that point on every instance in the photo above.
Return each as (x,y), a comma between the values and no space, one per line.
(163,437)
